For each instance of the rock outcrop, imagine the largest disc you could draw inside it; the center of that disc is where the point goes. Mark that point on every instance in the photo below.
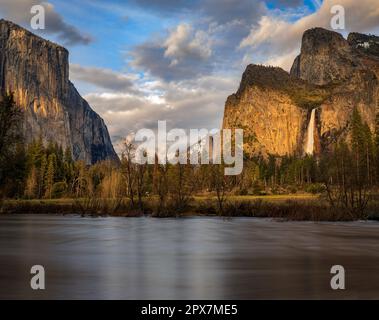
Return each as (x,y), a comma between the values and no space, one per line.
(37,72)
(350,69)
(271,120)
(331,75)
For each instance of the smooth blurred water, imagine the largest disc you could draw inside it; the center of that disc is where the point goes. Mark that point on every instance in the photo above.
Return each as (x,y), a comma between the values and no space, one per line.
(191,258)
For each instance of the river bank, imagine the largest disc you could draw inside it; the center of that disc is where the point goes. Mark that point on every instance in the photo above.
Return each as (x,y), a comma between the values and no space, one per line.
(304,207)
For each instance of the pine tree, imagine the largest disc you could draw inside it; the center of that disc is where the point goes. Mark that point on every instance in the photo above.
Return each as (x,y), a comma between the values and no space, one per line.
(363,150)
(68,166)
(32,184)
(10,137)
(42,172)
(369,158)
(50,175)
(81,181)
(60,169)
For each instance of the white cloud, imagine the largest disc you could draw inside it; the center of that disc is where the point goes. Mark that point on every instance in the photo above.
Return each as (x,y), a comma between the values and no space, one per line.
(19,12)
(184,42)
(284,61)
(186,104)
(268,28)
(280,39)
(103,78)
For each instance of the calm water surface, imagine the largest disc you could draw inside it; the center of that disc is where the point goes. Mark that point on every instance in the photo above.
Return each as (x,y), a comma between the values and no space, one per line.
(192,258)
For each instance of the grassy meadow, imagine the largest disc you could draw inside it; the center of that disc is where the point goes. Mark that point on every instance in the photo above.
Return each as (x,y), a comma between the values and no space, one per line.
(298,207)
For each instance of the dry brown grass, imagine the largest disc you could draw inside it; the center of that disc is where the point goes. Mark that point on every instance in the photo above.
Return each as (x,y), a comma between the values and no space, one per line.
(301,208)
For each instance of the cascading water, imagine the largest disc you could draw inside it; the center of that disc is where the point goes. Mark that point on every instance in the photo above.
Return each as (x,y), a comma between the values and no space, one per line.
(309,146)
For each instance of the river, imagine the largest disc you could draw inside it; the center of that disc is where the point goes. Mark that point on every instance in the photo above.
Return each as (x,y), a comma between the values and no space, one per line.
(189,258)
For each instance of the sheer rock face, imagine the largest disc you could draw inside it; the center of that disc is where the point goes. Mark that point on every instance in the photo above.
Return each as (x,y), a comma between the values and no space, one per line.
(37,72)
(272,122)
(331,74)
(325,57)
(350,68)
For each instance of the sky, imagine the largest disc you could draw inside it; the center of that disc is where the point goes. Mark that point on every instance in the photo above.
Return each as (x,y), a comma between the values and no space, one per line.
(140,61)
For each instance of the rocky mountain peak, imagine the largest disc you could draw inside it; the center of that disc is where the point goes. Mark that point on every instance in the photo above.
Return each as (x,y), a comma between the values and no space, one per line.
(329,79)
(37,72)
(317,39)
(325,57)
(263,76)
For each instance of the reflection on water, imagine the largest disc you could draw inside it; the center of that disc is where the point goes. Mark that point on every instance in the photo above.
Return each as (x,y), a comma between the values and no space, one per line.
(193,258)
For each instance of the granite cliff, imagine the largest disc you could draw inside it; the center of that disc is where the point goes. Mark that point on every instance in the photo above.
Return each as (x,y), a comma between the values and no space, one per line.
(37,72)
(331,76)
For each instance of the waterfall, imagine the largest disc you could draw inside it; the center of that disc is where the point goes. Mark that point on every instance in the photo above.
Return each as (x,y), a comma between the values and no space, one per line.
(309,146)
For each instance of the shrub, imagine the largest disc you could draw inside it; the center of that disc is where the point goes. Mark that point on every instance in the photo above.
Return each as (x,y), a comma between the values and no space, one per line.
(257,189)
(275,190)
(206,207)
(241,192)
(315,188)
(59,189)
(293,190)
